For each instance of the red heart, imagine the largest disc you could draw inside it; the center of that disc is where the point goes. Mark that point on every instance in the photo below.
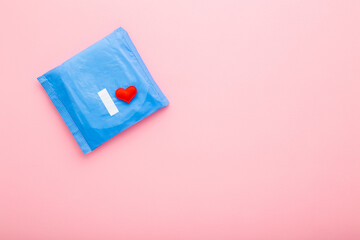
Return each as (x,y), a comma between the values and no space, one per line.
(126,94)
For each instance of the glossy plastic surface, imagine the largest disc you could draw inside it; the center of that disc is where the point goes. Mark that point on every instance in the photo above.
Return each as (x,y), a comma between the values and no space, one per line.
(109,64)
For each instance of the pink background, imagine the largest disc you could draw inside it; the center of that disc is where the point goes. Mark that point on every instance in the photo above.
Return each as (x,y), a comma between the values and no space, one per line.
(261,139)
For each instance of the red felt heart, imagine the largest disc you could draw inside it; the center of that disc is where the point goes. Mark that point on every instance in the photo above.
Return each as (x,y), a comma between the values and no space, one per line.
(126,94)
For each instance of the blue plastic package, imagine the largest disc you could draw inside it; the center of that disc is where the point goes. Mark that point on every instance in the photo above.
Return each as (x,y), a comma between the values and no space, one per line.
(83,90)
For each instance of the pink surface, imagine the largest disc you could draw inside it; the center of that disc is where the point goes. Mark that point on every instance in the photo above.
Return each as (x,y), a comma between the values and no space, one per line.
(260,140)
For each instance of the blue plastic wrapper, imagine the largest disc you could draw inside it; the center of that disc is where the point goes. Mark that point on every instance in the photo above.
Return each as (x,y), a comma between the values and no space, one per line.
(83,90)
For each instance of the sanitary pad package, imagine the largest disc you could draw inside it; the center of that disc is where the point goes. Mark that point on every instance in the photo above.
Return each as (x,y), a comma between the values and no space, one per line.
(103,90)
